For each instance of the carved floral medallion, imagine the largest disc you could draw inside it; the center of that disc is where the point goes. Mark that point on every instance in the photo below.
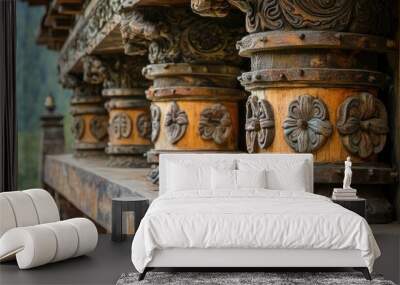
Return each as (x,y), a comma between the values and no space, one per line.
(363,124)
(98,127)
(260,123)
(121,125)
(78,127)
(143,125)
(307,125)
(215,123)
(155,121)
(176,122)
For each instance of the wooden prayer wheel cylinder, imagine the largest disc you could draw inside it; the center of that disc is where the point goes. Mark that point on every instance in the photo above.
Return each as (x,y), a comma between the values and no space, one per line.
(193,107)
(89,125)
(129,126)
(317,92)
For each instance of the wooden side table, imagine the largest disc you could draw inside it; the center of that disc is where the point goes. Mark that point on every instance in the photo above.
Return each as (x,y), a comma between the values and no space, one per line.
(357,205)
(137,205)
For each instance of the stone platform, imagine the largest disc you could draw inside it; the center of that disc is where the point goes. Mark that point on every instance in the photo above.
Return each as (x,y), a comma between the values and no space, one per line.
(89,185)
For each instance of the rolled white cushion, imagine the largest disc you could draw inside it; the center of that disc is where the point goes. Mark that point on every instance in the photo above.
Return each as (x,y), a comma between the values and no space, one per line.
(23,208)
(41,244)
(7,218)
(45,205)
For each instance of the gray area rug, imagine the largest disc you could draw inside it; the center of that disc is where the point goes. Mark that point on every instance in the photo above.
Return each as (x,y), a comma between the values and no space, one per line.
(243,278)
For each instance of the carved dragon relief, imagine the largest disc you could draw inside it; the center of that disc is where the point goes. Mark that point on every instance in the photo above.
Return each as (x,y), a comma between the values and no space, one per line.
(362,124)
(98,127)
(176,122)
(78,127)
(260,123)
(215,123)
(121,125)
(143,125)
(155,112)
(307,125)
(338,15)
(178,35)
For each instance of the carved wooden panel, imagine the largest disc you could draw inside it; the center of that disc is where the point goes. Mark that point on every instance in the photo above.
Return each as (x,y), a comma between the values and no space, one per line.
(260,123)
(121,125)
(362,124)
(215,123)
(176,122)
(307,125)
(155,121)
(143,125)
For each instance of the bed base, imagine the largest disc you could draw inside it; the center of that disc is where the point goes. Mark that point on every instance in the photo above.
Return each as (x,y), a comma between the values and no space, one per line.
(242,259)
(363,270)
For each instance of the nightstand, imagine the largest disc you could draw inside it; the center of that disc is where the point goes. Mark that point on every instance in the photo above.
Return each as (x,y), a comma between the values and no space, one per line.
(357,205)
(137,205)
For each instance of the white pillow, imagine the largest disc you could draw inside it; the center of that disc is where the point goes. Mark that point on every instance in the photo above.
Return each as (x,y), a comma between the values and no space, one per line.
(184,175)
(251,178)
(280,174)
(230,180)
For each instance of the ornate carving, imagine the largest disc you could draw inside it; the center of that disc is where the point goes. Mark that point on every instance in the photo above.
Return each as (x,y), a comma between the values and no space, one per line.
(307,125)
(143,124)
(155,121)
(176,122)
(260,123)
(124,72)
(121,125)
(177,35)
(215,123)
(362,124)
(338,15)
(94,71)
(78,127)
(98,127)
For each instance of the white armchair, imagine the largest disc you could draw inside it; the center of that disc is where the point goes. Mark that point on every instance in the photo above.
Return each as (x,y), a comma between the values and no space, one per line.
(31,230)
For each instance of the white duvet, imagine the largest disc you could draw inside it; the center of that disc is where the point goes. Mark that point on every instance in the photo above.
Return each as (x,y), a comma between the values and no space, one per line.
(250,219)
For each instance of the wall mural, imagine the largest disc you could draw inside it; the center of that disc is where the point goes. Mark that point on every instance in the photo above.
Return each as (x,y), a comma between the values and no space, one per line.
(307,125)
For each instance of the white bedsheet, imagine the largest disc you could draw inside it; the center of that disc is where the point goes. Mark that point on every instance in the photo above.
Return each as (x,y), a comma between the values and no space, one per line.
(250,219)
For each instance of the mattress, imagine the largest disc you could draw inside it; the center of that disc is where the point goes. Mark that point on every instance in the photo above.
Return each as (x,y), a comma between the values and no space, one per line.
(250,219)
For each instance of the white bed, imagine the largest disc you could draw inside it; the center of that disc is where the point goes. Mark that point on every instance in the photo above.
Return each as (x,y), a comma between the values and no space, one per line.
(280,225)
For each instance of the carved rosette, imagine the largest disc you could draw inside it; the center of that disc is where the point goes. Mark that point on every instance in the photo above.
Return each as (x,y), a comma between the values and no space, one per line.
(98,127)
(121,125)
(176,122)
(155,121)
(215,124)
(260,123)
(307,125)
(78,128)
(362,124)
(143,125)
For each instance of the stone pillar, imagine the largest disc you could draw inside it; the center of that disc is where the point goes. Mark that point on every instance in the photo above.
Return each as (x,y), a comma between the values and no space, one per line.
(129,112)
(318,80)
(89,125)
(52,137)
(194,93)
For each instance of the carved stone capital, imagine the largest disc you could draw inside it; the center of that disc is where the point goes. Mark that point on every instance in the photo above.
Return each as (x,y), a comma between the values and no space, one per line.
(356,16)
(177,35)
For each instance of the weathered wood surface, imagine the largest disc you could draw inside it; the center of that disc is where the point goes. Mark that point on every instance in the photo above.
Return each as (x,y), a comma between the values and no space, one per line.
(90,185)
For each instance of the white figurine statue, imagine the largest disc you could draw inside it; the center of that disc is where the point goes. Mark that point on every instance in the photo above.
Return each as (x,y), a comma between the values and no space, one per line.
(347,174)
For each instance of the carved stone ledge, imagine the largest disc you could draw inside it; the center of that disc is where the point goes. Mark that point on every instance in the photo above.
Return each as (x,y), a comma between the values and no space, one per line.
(363,124)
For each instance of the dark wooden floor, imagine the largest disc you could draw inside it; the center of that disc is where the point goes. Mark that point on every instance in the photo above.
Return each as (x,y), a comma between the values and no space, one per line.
(110,260)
